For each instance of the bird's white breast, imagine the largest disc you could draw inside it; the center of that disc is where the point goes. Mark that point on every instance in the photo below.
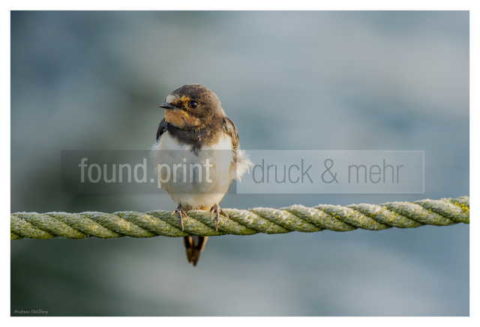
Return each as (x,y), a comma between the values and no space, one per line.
(189,187)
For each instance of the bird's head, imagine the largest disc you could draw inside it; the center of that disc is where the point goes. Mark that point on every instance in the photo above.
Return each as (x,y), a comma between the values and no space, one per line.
(192,106)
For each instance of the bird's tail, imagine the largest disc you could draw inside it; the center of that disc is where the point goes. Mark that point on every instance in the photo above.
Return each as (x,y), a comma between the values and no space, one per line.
(194,245)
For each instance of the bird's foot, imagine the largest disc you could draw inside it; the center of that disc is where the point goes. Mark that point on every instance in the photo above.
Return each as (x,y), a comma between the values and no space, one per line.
(217,211)
(181,213)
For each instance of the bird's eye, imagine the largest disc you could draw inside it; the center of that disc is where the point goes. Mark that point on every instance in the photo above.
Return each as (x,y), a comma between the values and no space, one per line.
(193,104)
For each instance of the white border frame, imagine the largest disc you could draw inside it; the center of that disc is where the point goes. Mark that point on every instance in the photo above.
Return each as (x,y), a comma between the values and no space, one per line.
(473,6)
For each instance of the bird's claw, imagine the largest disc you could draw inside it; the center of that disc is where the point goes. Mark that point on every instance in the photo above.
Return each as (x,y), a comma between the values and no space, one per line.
(217,211)
(180,214)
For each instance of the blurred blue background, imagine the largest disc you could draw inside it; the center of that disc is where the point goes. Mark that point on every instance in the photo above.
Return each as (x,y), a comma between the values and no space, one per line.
(290,80)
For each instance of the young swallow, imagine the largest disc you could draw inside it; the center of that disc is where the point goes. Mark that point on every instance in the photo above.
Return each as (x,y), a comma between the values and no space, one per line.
(195,132)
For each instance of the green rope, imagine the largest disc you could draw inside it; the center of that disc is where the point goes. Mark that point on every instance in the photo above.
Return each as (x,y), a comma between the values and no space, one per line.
(241,222)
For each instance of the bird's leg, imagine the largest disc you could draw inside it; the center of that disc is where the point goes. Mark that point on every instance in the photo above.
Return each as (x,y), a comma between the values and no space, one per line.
(217,211)
(180,212)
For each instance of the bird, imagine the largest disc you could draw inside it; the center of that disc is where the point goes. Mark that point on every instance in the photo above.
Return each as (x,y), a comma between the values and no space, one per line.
(196,132)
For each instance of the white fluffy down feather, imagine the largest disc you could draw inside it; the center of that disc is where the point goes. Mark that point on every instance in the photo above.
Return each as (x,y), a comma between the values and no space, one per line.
(198,192)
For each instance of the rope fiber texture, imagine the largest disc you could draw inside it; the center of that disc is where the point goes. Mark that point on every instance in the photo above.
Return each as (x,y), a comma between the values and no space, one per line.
(241,222)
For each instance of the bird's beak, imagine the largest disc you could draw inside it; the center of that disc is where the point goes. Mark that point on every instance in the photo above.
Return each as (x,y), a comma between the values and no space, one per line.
(167,106)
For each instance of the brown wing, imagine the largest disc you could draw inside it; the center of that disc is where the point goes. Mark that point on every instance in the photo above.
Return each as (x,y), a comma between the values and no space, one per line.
(231,130)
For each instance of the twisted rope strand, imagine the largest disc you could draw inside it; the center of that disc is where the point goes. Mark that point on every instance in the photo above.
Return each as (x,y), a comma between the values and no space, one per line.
(241,222)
